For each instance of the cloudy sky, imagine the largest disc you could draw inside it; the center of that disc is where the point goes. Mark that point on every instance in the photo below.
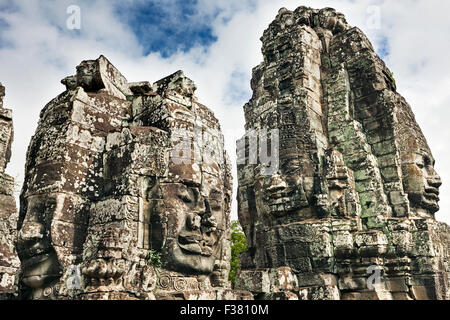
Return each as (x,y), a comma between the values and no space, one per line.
(216,43)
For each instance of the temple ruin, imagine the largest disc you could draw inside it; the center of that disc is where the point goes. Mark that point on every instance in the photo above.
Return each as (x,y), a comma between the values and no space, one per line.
(127,189)
(355,192)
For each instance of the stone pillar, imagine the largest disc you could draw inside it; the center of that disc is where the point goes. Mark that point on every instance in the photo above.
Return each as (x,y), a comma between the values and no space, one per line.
(9,262)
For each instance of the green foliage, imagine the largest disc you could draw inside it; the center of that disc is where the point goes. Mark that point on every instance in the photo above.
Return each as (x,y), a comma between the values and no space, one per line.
(393,80)
(238,245)
(154,259)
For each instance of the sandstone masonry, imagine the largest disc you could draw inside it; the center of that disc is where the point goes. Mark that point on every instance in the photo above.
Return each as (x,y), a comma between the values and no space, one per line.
(356,191)
(127,193)
(127,189)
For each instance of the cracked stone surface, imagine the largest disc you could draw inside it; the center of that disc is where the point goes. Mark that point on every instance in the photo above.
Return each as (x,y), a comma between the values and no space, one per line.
(355,188)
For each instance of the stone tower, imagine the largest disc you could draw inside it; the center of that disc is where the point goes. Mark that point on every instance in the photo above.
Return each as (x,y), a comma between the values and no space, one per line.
(355,190)
(9,262)
(127,193)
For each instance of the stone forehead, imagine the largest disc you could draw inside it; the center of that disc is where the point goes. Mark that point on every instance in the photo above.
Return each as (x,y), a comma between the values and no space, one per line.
(185,173)
(327,18)
(410,137)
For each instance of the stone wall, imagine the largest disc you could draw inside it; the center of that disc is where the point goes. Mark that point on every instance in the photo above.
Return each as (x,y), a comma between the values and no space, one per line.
(9,263)
(355,192)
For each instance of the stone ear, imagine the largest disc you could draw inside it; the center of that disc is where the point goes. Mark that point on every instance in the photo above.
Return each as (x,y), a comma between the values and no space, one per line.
(151,183)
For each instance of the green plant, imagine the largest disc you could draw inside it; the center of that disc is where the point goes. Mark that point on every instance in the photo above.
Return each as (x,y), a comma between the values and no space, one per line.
(238,245)
(154,259)
(393,80)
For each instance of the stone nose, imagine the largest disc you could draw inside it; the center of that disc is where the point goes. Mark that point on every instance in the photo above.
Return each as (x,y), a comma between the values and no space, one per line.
(434,181)
(201,206)
(193,221)
(31,231)
(202,216)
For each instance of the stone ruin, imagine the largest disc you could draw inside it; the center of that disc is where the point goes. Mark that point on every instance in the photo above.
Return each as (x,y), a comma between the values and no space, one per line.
(127,193)
(349,214)
(9,262)
(127,189)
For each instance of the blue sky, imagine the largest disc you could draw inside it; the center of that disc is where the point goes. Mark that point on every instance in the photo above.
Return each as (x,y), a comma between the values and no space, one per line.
(216,43)
(167,29)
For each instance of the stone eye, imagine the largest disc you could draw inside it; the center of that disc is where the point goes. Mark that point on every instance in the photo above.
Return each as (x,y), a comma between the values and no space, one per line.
(186,198)
(186,195)
(292,165)
(421,163)
(215,201)
(215,205)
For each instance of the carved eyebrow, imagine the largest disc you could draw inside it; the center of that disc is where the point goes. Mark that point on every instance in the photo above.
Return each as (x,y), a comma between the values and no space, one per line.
(191,184)
(216,192)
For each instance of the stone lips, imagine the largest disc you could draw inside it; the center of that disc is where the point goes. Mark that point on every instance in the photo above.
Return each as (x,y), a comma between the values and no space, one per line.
(363,171)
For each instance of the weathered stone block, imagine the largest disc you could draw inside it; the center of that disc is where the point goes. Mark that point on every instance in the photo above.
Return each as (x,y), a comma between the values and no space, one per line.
(257,281)
(316,279)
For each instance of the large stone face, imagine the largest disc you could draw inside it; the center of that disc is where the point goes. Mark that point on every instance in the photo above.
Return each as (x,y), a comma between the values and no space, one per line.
(9,261)
(127,193)
(355,189)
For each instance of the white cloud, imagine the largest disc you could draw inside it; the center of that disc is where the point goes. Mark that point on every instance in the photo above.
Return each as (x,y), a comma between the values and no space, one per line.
(41,51)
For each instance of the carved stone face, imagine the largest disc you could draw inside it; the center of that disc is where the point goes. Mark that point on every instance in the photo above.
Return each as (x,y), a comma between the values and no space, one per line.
(195,218)
(40,264)
(283,193)
(421,182)
(86,73)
